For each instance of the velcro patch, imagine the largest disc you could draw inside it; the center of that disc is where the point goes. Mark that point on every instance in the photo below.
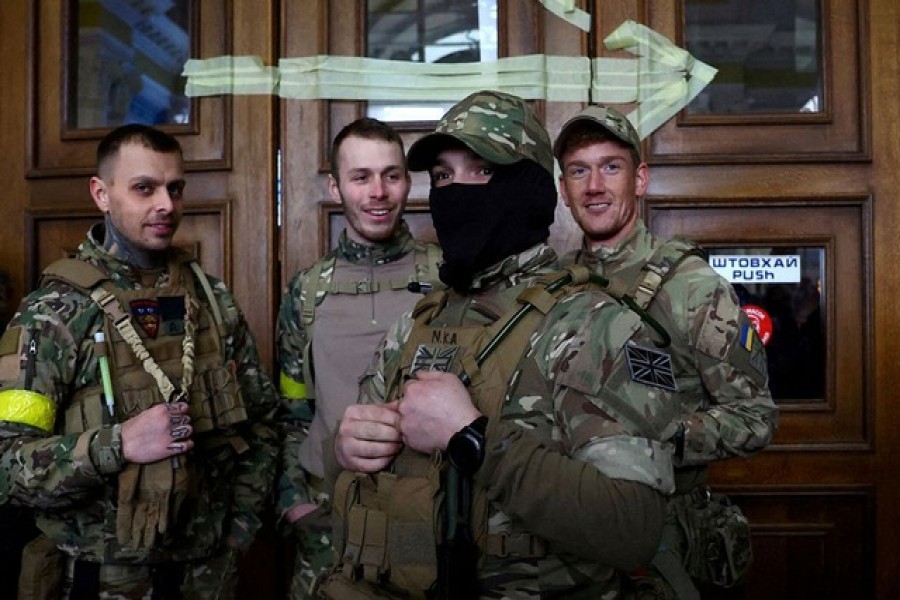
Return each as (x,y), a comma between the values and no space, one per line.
(433,358)
(651,367)
(11,342)
(11,353)
(147,314)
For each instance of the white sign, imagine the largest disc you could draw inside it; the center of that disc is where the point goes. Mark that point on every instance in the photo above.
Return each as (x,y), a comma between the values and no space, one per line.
(766,268)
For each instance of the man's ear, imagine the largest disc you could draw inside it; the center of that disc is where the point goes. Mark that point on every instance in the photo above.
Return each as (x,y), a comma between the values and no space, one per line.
(334,190)
(99,194)
(641,179)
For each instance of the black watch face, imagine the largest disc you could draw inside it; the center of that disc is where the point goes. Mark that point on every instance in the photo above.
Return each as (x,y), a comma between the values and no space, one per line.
(466,451)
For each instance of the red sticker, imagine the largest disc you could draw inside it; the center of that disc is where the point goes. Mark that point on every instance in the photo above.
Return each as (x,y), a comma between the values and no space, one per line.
(760,320)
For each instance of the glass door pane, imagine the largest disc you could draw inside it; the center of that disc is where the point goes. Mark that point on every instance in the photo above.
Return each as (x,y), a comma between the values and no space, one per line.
(128,56)
(428,31)
(768,53)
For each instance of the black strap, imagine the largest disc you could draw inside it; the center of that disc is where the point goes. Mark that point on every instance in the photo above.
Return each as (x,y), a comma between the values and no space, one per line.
(85,581)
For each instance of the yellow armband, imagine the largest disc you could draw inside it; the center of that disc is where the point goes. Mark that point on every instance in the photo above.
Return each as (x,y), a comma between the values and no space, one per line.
(291,388)
(28,408)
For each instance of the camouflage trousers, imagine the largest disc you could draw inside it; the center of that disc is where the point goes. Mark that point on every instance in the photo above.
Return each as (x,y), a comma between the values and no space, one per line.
(214,578)
(314,554)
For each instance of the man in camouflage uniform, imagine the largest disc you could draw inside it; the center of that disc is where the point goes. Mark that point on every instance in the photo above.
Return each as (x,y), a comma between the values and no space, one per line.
(558,466)
(352,294)
(719,367)
(134,417)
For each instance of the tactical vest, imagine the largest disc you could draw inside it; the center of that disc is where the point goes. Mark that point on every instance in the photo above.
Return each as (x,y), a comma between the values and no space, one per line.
(318,282)
(158,316)
(388,525)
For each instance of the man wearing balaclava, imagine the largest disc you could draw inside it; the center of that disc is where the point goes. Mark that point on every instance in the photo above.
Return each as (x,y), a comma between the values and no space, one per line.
(496,449)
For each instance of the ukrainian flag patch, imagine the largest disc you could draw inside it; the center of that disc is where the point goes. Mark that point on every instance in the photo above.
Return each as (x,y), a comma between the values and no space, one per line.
(747,336)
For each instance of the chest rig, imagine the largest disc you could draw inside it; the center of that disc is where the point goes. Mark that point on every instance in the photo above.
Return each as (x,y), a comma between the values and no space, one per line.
(162,346)
(389,525)
(318,282)
(160,318)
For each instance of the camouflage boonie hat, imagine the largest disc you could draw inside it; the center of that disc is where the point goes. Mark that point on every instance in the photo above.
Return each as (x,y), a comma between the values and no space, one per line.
(496,126)
(607,118)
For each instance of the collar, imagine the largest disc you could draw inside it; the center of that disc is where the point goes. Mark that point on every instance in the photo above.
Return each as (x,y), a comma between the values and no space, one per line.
(378,253)
(634,247)
(92,251)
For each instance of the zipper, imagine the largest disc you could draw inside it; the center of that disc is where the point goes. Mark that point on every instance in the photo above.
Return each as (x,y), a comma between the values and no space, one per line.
(30,358)
(372,280)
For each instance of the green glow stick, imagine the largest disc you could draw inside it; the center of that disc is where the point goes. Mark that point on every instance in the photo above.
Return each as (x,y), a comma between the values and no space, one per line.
(100,338)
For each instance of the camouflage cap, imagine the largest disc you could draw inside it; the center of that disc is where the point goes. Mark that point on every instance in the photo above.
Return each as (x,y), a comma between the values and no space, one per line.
(496,126)
(609,119)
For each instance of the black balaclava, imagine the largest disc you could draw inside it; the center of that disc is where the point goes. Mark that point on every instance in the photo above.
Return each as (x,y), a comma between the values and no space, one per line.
(480,225)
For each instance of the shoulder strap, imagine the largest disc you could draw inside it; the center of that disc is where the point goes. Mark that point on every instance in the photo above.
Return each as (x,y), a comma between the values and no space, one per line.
(207,289)
(317,279)
(78,273)
(428,262)
(314,282)
(660,268)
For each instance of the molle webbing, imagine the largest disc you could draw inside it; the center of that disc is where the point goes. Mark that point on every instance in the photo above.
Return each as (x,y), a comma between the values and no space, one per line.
(121,320)
(318,282)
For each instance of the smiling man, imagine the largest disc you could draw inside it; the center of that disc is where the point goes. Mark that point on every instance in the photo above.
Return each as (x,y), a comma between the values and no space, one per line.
(352,295)
(715,360)
(134,417)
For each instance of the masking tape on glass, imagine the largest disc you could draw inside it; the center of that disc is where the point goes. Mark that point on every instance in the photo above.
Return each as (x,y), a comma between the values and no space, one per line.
(661,80)
(565,9)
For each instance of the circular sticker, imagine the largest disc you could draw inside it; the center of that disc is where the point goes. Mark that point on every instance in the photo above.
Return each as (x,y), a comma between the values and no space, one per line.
(761,321)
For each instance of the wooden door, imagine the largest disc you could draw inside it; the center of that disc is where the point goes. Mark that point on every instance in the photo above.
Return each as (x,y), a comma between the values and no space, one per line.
(229,143)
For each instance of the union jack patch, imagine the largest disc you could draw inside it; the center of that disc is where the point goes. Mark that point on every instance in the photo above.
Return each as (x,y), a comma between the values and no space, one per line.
(146,313)
(650,367)
(433,358)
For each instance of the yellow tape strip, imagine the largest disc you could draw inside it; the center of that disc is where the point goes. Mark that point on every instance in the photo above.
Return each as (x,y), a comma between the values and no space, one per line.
(28,408)
(565,9)
(557,78)
(662,80)
(290,388)
(229,75)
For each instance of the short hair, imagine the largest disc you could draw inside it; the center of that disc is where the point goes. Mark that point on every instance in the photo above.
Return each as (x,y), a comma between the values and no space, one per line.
(369,129)
(134,133)
(585,134)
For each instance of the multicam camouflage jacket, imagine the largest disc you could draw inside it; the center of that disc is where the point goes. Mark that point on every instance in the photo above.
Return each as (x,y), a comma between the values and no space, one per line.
(61,476)
(350,324)
(577,462)
(720,364)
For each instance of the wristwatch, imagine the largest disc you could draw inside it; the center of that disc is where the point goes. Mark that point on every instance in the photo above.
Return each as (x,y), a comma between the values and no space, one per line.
(466,448)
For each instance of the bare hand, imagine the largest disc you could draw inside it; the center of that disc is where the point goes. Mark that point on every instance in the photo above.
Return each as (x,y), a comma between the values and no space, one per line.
(368,437)
(435,405)
(161,431)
